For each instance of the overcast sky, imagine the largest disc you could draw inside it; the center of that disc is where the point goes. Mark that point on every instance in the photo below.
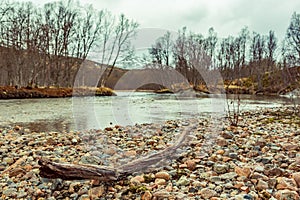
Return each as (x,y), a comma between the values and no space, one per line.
(227,17)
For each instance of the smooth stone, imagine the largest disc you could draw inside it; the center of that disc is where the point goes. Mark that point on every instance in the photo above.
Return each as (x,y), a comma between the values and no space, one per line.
(224,196)
(96,192)
(229,185)
(181,196)
(137,180)
(193,190)
(74,141)
(57,184)
(84,197)
(227,135)
(253,195)
(296,177)
(163,175)
(220,168)
(74,187)
(147,196)
(286,183)
(286,194)
(262,185)
(233,155)
(266,160)
(73,196)
(207,193)
(228,176)
(160,181)
(259,169)
(183,181)
(10,192)
(8,160)
(204,175)
(161,194)
(215,179)
(191,165)
(242,171)
(258,176)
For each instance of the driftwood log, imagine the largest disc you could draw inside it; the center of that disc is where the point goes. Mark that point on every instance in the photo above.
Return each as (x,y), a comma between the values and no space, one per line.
(67,171)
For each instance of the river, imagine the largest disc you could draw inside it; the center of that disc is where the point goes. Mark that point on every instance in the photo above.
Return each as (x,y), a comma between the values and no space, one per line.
(127,108)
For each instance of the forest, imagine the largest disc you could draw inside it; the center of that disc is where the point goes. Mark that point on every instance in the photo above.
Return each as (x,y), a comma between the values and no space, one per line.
(45,46)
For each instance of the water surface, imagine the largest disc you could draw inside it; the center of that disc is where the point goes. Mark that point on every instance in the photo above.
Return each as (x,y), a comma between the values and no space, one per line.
(128,108)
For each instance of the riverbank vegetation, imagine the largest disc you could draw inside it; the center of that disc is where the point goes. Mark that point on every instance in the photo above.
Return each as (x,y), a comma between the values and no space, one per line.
(47,46)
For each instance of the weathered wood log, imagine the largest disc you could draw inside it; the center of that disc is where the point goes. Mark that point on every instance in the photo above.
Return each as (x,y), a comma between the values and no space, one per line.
(142,164)
(66,171)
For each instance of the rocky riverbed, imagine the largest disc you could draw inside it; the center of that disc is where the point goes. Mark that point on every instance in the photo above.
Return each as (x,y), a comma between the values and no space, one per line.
(259,159)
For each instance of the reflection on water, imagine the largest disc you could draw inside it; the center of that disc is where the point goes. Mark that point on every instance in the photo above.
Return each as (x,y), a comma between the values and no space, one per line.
(59,125)
(128,108)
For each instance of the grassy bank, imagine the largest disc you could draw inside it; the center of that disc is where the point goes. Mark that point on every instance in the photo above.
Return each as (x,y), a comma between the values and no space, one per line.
(9,92)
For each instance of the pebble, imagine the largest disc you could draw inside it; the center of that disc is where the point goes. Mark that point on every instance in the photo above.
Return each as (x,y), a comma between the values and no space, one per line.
(296,177)
(147,196)
(262,185)
(245,171)
(183,181)
(137,180)
(161,194)
(220,168)
(160,181)
(207,193)
(286,183)
(191,165)
(231,163)
(163,175)
(286,194)
(10,192)
(96,192)
(259,169)
(229,176)
(8,160)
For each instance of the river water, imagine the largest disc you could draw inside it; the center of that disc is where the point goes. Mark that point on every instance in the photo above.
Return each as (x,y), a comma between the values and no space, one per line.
(127,108)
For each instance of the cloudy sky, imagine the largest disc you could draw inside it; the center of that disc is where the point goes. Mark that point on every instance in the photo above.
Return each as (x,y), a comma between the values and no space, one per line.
(227,17)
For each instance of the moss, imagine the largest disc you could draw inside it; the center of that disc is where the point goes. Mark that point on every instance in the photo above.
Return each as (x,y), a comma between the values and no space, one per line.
(270,120)
(104,91)
(266,80)
(247,82)
(164,91)
(149,178)
(137,188)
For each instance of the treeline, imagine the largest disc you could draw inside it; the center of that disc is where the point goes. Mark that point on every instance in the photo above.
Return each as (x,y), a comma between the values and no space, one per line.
(45,45)
(249,54)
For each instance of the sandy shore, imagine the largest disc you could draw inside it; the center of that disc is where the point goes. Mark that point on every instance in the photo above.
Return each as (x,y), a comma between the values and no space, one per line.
(259,159)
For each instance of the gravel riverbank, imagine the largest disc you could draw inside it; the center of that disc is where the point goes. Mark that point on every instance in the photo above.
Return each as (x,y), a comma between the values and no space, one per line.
(260,159)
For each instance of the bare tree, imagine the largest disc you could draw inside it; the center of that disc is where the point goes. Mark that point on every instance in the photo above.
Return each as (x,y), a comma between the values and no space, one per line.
(161,50)
(293,40)
(257,56)
(115,41)
(180,52)
(271,47)
(211,43)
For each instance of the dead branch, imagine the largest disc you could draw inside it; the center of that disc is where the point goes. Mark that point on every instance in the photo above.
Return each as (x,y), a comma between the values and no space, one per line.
(66,171)
(145,163)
